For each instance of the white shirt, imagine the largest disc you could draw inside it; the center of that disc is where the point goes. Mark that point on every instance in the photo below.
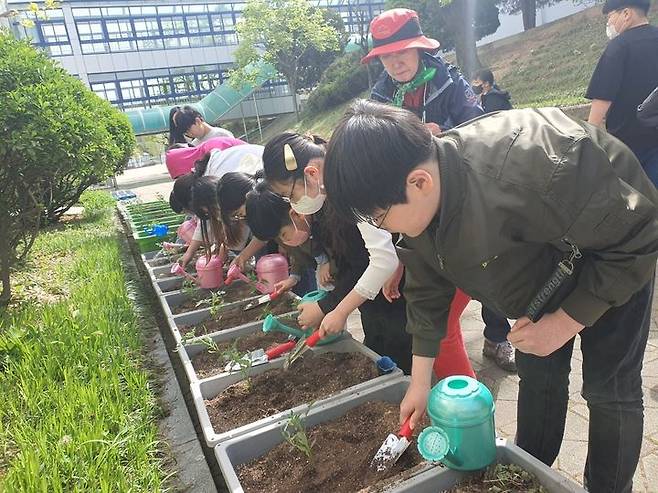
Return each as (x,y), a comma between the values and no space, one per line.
(383,260)
(213,132)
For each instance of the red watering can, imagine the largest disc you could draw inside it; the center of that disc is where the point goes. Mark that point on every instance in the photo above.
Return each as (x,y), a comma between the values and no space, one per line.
(209,272)
(271,269)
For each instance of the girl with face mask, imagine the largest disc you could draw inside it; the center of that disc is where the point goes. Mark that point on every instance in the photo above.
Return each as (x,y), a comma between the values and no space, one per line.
(293,165)
(306,237)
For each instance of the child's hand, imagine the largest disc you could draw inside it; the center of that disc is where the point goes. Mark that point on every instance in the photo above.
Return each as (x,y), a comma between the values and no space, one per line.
(185,259)
(434,128)
(332,323)
(324,274)
(310,315)
(414,403)
(240,262)
(391,288)
(286,285)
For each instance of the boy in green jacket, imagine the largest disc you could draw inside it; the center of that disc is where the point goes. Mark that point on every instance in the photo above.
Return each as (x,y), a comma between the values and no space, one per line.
(539,217)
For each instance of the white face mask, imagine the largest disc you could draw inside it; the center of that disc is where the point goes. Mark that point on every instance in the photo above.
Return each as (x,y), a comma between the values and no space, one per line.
(611,31)
(309,205)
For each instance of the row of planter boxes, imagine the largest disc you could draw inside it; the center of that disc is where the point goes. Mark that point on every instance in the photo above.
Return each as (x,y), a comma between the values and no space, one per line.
(239,445)
(140,217)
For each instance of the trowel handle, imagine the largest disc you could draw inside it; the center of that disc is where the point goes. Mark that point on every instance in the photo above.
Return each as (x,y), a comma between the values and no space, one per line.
(405,429)
(277,351)
(313,339)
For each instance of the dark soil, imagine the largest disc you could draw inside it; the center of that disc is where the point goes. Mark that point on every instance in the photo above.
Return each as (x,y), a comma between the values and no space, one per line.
(311,378)
(208,364)
(235,292)
(236,316)
(509,478)
(341,455)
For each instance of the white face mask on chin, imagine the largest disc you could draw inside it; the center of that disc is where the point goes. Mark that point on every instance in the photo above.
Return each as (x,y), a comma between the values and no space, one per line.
(309,205)
(611,31)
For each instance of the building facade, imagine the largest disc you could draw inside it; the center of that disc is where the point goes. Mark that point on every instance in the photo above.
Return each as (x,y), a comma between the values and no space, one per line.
(140,54)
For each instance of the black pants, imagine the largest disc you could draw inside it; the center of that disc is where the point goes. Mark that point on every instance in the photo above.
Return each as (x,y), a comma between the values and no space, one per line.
(496,326)
(385,333)
(613,350)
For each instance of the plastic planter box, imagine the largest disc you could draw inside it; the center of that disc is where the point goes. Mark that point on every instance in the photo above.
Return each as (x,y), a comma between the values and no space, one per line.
(150,243)
(197,316)
(213,386)
(188,351)
(427,478)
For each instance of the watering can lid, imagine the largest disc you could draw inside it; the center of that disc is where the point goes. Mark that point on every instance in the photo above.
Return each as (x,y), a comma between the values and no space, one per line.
(433,443)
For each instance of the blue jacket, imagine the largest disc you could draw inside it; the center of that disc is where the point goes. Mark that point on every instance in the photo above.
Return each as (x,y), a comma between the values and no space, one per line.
(450,101)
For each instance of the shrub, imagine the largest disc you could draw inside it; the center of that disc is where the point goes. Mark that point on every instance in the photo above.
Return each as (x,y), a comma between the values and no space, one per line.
(56,139)
(343,80)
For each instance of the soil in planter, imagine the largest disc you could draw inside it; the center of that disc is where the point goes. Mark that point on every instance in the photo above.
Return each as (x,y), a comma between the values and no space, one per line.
(236,316)
(229,294)
(502,477)
(208,364)
(309,379)
(341,454)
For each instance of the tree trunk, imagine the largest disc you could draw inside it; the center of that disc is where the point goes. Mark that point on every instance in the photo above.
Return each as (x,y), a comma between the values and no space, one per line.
(5,264)
(292,84)
(462,14)
(529,12)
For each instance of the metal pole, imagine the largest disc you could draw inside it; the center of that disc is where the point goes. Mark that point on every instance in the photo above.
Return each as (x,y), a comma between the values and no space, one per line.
(244,124)
(260,130)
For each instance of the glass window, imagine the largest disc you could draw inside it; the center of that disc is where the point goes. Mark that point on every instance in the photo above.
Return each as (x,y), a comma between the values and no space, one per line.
(146,28)
(116,11)
(159,86)
(81,13)
(198,24)
(184,84)
(208,81)
(59,50)
(89,48)
(132,89)
(182,42)
(118,46)
(106,90)
(172,26)
(90,30)
(119,29)
(150,44)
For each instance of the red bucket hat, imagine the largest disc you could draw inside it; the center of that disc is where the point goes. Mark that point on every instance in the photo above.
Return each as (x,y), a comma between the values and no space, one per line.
(396,30)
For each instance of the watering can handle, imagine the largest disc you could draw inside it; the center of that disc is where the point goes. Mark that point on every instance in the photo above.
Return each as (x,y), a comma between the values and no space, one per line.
(277,351)
(177,269)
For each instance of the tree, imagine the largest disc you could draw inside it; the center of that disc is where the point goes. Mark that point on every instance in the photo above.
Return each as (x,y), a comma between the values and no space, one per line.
(314,62)
(280,32)
(457,24)
(528,9)
(56,139)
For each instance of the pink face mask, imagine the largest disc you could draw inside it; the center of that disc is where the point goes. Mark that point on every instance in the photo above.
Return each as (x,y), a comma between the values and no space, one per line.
(299,236)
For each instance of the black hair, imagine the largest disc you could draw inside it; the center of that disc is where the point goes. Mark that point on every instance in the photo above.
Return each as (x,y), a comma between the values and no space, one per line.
(232,191)
(485,75)
(181,195)
(180,121)
(179,145)
(304,147)
(267,212)
(371,152)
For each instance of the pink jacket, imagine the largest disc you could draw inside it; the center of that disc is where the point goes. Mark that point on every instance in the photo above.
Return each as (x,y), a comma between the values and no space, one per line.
(181,161)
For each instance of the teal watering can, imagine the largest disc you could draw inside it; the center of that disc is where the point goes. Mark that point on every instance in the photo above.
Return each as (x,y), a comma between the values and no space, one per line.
(271,323)
(462,435)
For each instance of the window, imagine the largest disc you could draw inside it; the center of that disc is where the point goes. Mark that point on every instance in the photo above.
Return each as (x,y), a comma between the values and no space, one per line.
(172,26)
(54,32)
(147,28)
(90,31)
(81,13)
(208,81)
(184,84)
(198,24)
(106,90)
(120,30)
(159,86)
(132,89)
(89,48)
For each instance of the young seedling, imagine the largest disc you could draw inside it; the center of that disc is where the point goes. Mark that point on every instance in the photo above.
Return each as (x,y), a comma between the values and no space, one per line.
(215,303)
(188,287)
(187,337)
(235,358)
(294,432)
(267,310)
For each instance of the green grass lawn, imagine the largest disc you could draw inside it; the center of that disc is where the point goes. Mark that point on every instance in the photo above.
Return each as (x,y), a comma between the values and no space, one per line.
(77,411)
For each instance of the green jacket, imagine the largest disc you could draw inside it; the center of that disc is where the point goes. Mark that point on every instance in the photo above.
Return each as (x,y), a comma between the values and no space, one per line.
(520,189)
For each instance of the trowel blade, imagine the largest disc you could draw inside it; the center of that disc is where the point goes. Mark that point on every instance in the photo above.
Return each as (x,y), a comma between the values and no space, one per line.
(257,357)
(389,453)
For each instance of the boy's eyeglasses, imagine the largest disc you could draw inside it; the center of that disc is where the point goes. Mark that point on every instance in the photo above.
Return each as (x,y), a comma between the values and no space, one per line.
(379,220)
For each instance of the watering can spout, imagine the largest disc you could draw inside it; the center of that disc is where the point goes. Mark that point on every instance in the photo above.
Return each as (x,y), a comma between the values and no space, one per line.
(272,324)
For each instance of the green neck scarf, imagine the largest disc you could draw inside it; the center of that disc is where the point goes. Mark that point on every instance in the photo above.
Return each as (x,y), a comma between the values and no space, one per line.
(422,77)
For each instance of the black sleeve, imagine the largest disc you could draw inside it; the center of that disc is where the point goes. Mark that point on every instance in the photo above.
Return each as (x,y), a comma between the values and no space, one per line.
(344,282)
(608,74)
(496,103)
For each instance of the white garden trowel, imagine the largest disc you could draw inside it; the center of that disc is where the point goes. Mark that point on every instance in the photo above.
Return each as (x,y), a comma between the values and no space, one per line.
(392,448)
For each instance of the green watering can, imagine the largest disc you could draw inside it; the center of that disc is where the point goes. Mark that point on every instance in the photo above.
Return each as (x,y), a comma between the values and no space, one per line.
(271,323)
(462,435)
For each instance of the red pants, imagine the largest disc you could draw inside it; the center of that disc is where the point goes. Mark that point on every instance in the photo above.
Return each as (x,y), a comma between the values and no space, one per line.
(452,358)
